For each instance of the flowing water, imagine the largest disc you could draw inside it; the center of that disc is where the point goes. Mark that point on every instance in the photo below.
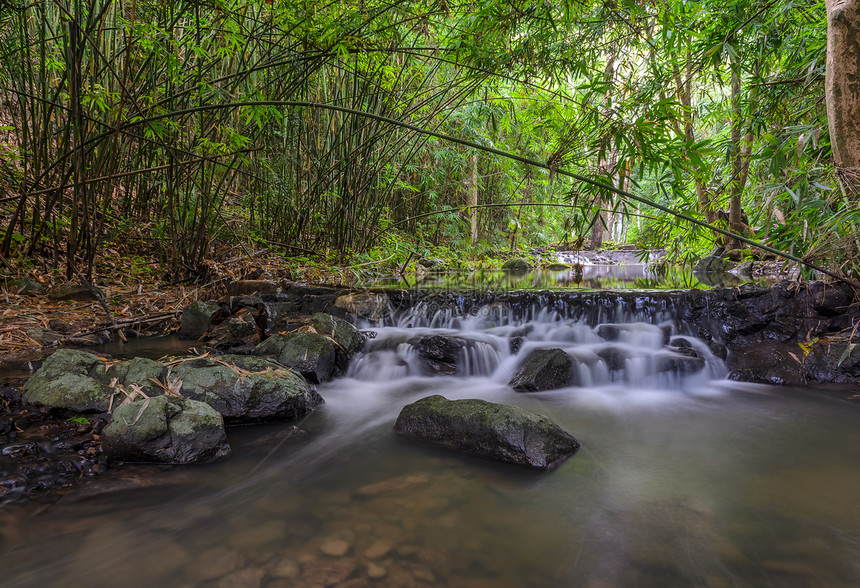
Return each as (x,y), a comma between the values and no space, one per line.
(683,479)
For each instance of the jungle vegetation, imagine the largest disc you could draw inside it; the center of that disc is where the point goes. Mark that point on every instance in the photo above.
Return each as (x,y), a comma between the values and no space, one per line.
(185,127)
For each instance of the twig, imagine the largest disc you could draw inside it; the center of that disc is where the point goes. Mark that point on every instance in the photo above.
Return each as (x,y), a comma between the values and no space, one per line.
(254,254)
(288,246)
(408,259)
(96,292)
(129,322)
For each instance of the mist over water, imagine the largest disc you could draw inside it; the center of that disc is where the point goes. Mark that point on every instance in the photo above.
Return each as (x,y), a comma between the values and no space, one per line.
(683,479)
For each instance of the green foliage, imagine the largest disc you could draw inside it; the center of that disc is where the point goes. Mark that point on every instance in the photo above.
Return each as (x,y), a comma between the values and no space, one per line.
(185,118)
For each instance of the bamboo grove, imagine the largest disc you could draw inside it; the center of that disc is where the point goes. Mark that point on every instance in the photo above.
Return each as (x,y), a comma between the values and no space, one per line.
(182,125)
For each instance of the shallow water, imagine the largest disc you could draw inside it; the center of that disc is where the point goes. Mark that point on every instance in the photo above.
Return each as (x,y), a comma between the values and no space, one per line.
(683,479)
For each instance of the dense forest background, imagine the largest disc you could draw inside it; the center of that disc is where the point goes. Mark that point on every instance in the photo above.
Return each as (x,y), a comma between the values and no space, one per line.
(188,129)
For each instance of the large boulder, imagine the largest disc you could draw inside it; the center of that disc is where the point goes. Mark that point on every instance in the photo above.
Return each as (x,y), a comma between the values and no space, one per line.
(253,288)
(712,263)
(66,381)
(785,364)
(241,329)
(75,292)
(25,286)
(141,371)
(440,353)
(310,354)
(486,429)
(246,389)
(348,340)
(165,429)
(368,305)
(544,369)
(517,264)
(197,318)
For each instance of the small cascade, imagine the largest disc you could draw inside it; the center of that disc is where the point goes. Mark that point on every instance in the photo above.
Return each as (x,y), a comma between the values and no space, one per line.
(611,339)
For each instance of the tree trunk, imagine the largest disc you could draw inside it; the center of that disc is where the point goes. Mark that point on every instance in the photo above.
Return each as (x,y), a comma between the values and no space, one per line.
(604,218)
(527,194)
(472,197)
(685,95)
(742,148)
(842,89)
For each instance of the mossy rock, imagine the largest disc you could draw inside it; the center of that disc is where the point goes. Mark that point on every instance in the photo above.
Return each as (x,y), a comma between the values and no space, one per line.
(486,429)
(197,318)
(165,429)
(341,331)
(712,264)
(140,371)
(368,305)
(544,369)
(66,381)
(310,354)
(517,264)
(260,389)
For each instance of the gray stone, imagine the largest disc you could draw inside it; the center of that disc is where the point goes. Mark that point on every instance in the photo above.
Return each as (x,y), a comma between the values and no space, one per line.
(327,572)
(784,364)
(25,286)
(214,563)
(65,382)
(712,263)
(394,485)
(544,369)
(140,371)
(165,429)
(432,263)
(439,352)
(238,330)
(348,340)
(197,318)
(376,571)
(71,292)
(517,264)
(310,354)
(59,326)
(253,288)
(368,305)
(43,337)
(246,578)
(285,568)
(259,389)
(378,549)
(494,431)
(335,547)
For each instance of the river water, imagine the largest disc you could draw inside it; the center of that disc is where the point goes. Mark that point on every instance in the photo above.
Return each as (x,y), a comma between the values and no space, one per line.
(684,479)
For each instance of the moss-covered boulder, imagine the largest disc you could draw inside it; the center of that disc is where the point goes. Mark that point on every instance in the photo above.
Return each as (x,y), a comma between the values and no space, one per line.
(165,429)
(311,354)
(72,292)
(557,267)
(348,339)
(25,286)
(713,264)
(247,389)
(486,429)
(369,305)
(140,371)
(440,354)
(544,369)
(517,264)
(70,380)
(197,318)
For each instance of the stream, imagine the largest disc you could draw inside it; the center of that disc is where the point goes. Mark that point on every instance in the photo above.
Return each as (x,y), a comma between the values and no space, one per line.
(684,479)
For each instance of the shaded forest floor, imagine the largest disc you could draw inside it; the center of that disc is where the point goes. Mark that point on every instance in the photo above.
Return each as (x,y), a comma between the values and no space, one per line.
(131,297)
